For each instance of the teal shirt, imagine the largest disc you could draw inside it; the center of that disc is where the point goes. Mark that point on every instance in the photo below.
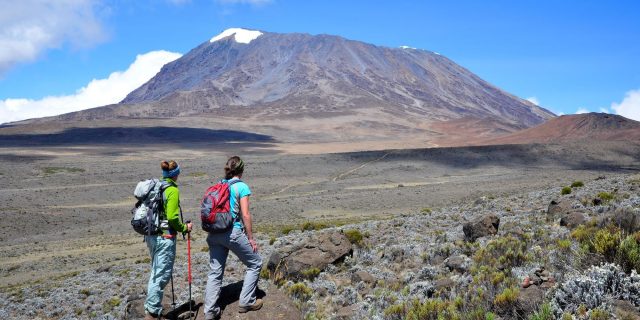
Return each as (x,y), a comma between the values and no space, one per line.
(172,207)
(237,191)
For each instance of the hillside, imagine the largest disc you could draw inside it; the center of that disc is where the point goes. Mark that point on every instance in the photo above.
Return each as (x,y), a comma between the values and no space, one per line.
(576,127)
(312,93)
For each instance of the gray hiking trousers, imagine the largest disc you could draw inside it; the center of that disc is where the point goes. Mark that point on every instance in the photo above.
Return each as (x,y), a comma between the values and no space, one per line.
(219,245)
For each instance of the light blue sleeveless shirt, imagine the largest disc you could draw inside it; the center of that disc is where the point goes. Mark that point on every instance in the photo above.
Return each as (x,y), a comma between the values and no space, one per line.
(237,191)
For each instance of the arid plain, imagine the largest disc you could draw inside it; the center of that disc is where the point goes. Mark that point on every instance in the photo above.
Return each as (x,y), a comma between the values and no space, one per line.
(67,209)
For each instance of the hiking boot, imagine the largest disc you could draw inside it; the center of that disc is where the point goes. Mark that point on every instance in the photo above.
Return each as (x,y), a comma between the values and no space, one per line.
(213,316)
(254,307)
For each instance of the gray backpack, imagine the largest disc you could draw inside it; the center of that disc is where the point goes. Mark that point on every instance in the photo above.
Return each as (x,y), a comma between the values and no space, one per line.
(148,213)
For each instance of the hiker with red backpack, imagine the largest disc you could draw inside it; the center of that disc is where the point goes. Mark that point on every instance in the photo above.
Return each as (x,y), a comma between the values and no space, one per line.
(161,237)
(225,216)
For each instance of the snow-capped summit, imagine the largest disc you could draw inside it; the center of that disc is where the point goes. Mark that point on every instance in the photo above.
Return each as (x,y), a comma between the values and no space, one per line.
(407,47)
(240,35)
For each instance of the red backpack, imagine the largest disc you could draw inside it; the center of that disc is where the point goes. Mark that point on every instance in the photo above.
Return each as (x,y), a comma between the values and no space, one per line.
(215,211)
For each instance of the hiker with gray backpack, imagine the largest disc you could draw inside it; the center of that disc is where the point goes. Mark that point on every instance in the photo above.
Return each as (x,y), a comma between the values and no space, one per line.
(157,216)
(225,216)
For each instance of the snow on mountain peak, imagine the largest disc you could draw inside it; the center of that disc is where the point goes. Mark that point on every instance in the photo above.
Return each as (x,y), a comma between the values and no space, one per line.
(407,47)
(240,35)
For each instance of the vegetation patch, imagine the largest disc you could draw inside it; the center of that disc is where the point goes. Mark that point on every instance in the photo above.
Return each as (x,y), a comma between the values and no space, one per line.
(310,273)
(612,243)
(565,190)
(354,236)
(605,196)
(577,184)
(300,291)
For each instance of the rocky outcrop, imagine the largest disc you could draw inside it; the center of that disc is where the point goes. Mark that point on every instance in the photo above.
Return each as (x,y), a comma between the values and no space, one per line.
(572,220)
(316,252)
(558,209)
(481,227)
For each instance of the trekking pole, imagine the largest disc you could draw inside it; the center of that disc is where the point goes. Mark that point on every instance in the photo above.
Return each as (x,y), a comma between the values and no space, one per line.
(189,268)
(173,296)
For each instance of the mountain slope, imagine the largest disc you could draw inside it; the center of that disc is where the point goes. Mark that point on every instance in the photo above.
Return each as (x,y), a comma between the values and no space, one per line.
(300,75)
(577,127)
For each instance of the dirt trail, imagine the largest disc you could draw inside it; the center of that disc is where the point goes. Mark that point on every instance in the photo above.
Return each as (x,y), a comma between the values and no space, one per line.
(344,174)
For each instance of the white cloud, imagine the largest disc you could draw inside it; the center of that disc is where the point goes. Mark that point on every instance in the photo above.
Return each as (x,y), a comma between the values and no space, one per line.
(605,110)
(582,110)
(30,27)
(97,93)
(533,100)
(630,105)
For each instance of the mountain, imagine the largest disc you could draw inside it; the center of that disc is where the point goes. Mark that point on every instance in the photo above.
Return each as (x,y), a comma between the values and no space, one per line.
(577,127)
(323,88)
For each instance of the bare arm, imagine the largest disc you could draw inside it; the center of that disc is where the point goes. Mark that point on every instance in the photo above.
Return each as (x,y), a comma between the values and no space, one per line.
(246,219)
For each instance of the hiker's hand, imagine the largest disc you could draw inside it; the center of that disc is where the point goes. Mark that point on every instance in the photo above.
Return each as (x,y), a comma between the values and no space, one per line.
(189,226)
(253,244)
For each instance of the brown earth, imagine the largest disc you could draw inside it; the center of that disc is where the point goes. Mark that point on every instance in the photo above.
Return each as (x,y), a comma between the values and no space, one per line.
(66,209)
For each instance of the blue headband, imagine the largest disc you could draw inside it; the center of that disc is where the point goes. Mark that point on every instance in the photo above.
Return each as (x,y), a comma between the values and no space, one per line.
(171,173)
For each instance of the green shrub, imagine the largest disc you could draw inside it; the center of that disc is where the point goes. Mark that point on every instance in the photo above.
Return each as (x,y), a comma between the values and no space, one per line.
(272,240)
(599,314)
(564,244)
(577,184)
(629,254)
(565,190)
(286,229)
(507,297)
(264,273)
(394,312)
(111,304)
(300,291)
(606,241)
(308,226)
(544,313)
(54,170)
(311,273)
(605,196)
(354,236)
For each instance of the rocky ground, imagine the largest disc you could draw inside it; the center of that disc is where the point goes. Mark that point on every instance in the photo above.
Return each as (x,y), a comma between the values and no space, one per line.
(401,261)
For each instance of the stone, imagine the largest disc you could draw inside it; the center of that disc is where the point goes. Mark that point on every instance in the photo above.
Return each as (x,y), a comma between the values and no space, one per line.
(529,299)
(363,276)
(317,251)
(625,310)
(626,218)
(346,312)
(444,284)
(481,227)
(558,209)
(573,220)
(459,263)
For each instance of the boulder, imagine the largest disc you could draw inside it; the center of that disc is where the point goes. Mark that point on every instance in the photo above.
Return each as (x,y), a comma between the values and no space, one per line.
(362,276)
(625,310)
(558,209)
(529,299)
(317,251)
(481,227)
(572,220)
(627,219)
(459,263)
(444,284)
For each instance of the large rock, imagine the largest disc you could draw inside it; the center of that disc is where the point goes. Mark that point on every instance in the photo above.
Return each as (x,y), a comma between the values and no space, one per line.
(558,209)
(572,220)
(459,263)
(627,219)
(481,227)
(317,251)
(529,299)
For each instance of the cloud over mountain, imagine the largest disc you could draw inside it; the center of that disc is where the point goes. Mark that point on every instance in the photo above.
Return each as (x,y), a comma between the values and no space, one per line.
(30,27)
(98,92)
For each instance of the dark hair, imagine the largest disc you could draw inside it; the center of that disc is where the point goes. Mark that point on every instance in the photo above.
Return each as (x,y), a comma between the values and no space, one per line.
(234,167)
(168,165)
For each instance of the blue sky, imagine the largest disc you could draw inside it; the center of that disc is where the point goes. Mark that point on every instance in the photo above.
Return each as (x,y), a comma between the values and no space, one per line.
(568,56)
